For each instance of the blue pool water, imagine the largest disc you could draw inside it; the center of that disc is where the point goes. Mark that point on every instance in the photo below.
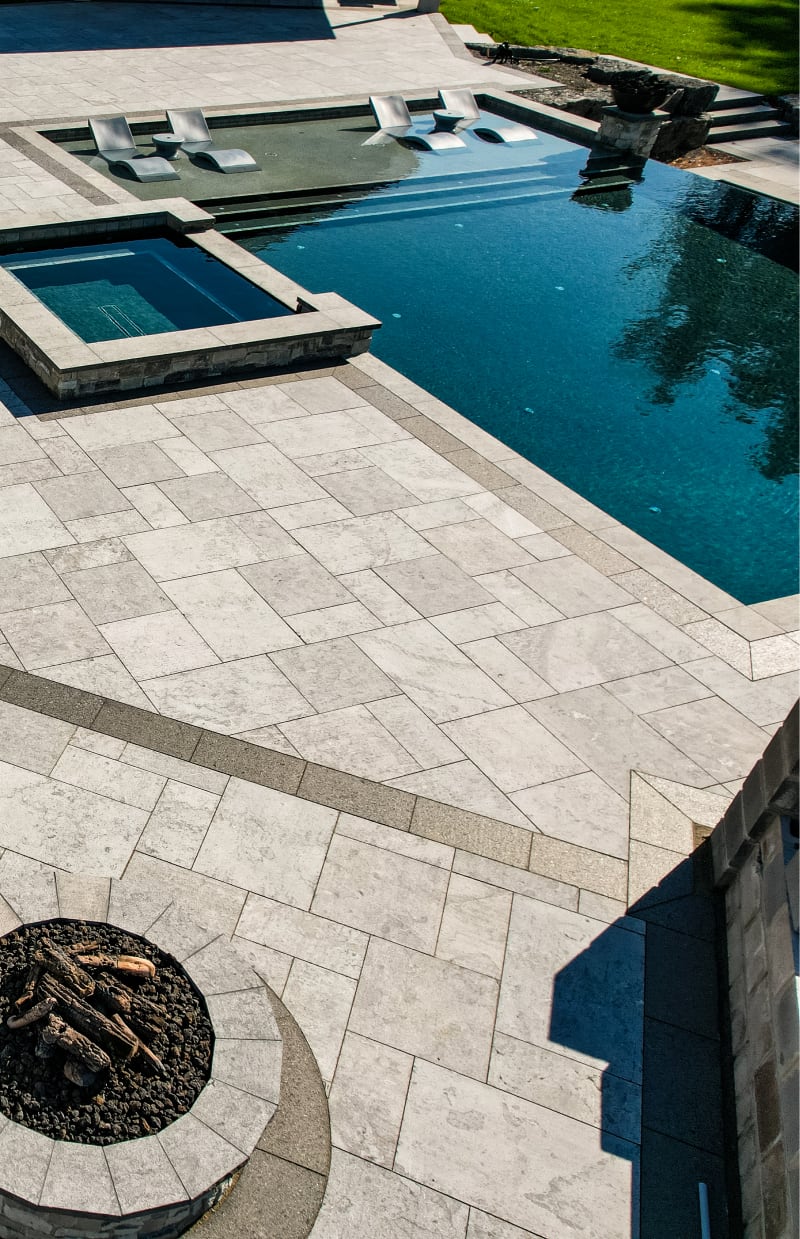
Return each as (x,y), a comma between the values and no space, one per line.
(639,346)
(140,287)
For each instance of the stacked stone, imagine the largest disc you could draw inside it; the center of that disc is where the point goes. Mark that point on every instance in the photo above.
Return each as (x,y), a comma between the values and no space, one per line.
(750,864)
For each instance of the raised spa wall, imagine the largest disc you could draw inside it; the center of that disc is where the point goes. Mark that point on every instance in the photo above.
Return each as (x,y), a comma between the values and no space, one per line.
(323,326)
(157,1186)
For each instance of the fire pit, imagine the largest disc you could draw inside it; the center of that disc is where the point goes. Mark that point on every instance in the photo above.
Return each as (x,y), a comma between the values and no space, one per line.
(102,1036)
(139,1065)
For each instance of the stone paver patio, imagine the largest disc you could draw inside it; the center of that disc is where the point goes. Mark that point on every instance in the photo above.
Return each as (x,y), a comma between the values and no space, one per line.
(421,974)
(480,717)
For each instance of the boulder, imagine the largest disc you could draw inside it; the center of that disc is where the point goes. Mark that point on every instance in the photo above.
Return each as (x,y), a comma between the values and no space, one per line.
(679,135)
(635,90)
(690,96)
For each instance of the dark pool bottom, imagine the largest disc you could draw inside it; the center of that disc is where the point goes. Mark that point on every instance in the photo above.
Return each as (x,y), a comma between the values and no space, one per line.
(640,347)
(131,1098)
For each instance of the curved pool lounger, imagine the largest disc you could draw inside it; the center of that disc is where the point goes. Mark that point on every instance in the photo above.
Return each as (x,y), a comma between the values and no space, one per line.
(497,130)
(190,125)
(115,144)
(393,118)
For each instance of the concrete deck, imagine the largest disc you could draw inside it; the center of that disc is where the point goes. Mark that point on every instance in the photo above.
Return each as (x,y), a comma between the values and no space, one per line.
(478,716)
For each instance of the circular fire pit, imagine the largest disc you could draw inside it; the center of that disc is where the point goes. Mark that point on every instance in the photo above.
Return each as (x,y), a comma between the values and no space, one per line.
(81,1179)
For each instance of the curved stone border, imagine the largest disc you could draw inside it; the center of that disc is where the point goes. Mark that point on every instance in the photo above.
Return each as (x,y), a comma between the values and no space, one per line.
(160,1184)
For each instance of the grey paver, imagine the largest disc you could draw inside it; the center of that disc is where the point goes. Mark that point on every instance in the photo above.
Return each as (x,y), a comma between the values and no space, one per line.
(143,1174)
(133,464)
(580,809)
(351,740)
(29,581)
(252,841)
(362,542)
(427,1007)
(579,866)
(30,740)
(321,1001)
(611,740)
(78,1178)
(207,496)
(116,592)
(474,925)
(368,1097)
(364,491)
(563,1084)
(365,1199)
(432,671)
(483,1166)
(590,649)
(476,546)
(433,585)
(296,584)
(198,1154)
(230,615)
(54,633)
(157,645)
(28,523)
(229,697)
(713,733)
(513,749)
(82,495)
(595,1014)
(333,674)
(382,893)
(189,550)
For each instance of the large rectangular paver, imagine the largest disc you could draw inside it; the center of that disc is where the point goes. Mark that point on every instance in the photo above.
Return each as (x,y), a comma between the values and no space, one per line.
(575,986)
(381,892)
(510,1157)
(267,842)
(427,1007)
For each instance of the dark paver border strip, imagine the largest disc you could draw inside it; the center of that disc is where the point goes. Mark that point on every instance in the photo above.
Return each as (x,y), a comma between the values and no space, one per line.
(347,793)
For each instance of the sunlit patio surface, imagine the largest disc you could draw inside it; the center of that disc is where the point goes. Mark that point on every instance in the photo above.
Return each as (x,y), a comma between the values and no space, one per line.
(429,735)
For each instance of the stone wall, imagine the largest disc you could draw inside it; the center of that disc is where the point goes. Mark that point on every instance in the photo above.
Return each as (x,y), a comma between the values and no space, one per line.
(750,848)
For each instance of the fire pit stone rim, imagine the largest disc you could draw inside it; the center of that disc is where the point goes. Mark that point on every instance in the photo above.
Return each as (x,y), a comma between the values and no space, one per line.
(202,1149)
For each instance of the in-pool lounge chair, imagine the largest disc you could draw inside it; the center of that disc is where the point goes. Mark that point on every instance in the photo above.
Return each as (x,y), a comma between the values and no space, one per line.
(393,117)
(495,130)
(115,144)
(190,125)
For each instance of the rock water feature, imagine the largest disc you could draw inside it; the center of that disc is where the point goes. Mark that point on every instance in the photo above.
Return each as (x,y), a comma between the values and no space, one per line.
(102,1036)
(140,1062)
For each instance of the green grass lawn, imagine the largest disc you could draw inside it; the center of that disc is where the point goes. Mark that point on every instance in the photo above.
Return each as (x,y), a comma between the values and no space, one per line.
(747,43)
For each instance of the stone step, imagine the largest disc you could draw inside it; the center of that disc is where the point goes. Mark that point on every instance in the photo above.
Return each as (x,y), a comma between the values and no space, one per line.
(755,129)
(737,116)
(729,98)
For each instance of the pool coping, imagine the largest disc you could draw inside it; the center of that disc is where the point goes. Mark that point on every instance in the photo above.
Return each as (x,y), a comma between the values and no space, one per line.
(321,325)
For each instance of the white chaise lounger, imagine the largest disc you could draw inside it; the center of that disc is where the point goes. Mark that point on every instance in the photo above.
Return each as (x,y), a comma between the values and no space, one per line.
(115,144)
(190,125)
(462,100)
(394,119)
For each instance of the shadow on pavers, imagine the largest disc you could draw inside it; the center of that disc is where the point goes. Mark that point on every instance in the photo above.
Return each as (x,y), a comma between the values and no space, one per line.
(70,27)
(671,1023)
(279,1193)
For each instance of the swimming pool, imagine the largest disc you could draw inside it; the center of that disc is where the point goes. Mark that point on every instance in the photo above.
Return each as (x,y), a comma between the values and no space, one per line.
(639,346)
(139,287)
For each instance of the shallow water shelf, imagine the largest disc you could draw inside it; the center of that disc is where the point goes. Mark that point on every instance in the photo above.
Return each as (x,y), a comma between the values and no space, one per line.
(121,300)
